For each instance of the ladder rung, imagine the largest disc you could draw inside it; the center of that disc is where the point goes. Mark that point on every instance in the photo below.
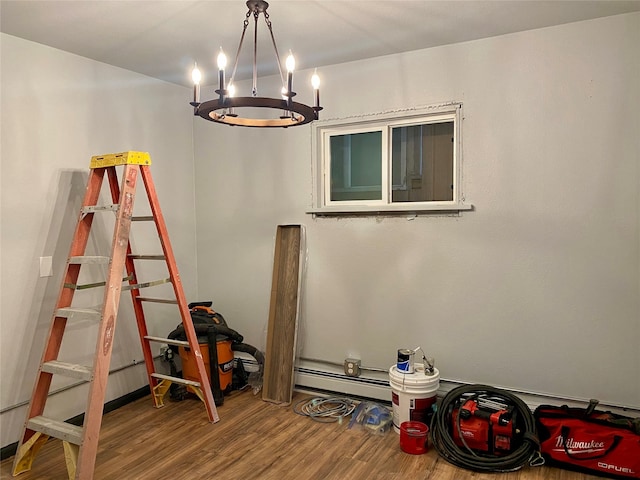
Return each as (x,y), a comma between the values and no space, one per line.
(182,381)
(156,300)
(100,208)
(138,286)
(55,428)
(67,369)
(147,257)
(145,218)
(90,259)
(168,341)
(78,313)
(75,286)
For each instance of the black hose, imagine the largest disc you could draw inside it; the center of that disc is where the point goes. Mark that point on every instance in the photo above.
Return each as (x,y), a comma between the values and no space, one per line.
(251,350)
(442,424)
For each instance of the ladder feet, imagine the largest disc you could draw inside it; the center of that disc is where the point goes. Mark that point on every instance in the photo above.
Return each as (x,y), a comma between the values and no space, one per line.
(159,391)
(27,452)
(163,386)
(71,458)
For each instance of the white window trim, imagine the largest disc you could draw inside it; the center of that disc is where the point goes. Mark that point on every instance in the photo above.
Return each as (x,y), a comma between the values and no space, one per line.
(322,130)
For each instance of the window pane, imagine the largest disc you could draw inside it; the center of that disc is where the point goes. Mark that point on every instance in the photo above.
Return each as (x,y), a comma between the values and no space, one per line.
(422,163)
(356,166)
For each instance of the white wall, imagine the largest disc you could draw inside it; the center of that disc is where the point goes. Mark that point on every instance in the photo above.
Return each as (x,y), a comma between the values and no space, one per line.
(538,289)
(58,110)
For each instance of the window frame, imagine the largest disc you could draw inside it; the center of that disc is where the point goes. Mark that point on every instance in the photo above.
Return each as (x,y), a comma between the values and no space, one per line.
(322,131)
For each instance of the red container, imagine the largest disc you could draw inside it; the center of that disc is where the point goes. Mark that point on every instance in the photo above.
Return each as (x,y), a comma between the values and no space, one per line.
(413,437)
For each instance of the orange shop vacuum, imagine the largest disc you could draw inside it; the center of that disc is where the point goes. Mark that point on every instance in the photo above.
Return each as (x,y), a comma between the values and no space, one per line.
(217,344)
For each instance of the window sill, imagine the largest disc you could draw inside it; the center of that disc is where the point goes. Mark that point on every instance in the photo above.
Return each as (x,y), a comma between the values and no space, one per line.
(397,209)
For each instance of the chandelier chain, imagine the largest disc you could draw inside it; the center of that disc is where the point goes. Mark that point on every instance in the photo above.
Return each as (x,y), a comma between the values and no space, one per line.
(244,29)
(254,91)
(275,48)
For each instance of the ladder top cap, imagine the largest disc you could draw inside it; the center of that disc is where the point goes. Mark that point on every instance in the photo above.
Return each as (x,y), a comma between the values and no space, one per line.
(123,158)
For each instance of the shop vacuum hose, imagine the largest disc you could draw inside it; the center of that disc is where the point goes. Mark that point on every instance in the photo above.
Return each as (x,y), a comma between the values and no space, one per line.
(528,452)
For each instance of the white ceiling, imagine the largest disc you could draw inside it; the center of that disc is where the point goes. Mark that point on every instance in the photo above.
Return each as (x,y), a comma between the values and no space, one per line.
(163,38)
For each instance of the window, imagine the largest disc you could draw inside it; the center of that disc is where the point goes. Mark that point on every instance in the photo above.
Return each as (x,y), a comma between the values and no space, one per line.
(393,162)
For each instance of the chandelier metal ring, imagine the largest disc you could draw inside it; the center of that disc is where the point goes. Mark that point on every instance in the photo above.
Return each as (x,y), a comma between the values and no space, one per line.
(220,112)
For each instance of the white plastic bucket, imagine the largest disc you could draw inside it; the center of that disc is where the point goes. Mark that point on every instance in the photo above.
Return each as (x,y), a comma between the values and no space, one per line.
(413,394)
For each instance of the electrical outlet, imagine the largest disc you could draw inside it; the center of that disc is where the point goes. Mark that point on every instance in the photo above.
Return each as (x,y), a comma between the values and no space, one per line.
(352,367)
(46,267)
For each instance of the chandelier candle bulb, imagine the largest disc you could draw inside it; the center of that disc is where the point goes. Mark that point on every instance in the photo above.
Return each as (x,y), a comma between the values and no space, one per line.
(221,60)
(284,92)
(231,91)
(291,65)
(315,83)
(222,64)
(196,76)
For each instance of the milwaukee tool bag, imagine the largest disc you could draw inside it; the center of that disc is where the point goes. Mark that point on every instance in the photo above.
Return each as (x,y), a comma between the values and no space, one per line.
(590,441)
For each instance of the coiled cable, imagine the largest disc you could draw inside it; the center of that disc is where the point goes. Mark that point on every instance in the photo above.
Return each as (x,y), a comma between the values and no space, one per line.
(325,410)
(442,424)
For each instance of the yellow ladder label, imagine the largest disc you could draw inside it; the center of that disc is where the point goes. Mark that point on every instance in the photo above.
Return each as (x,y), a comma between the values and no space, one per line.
(124,158)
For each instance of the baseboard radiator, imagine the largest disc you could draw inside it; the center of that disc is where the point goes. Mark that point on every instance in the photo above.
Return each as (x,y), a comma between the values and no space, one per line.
(329,380)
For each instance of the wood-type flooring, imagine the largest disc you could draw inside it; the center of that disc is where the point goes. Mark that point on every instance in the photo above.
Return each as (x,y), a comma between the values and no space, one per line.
(253,440)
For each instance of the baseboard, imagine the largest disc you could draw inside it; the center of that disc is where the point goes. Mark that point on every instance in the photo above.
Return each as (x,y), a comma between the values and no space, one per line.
(365,387)
(375,385)
(10,450)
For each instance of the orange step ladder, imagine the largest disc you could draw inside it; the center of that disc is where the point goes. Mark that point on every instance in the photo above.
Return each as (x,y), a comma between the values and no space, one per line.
(81,443)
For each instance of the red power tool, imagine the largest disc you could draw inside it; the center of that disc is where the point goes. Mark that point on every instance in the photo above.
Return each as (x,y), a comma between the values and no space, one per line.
(485,425)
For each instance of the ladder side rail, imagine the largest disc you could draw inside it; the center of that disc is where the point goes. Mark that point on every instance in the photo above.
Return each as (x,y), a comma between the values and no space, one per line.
(135,293)
(104,345)
(58,324)
(179,292)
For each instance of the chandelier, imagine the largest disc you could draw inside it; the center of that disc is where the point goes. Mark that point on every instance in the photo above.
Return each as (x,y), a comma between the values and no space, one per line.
(230,109)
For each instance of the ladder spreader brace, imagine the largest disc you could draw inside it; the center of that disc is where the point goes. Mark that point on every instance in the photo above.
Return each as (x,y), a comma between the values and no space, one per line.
(80,443)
